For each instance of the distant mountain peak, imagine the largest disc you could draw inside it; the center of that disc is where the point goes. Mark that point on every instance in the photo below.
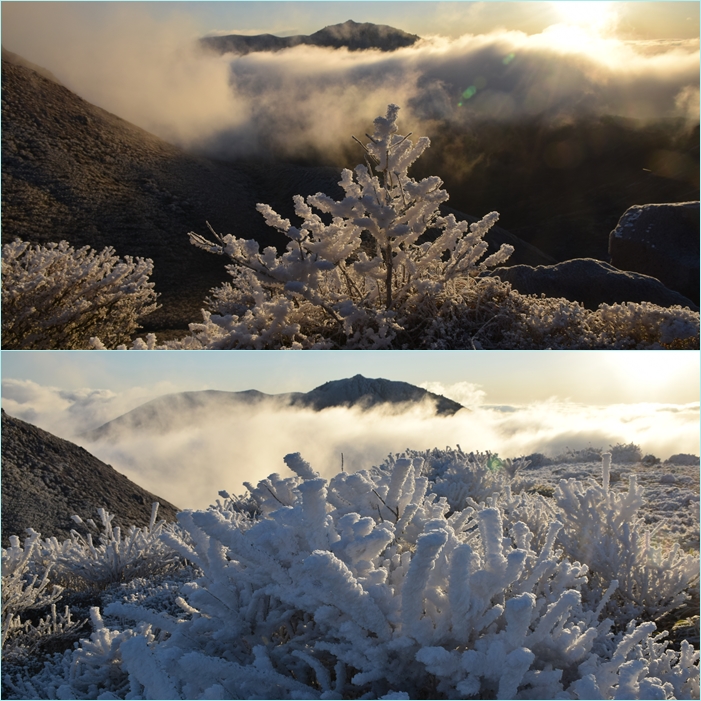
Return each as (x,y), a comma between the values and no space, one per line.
(368,392)
(355,36)
(174,411)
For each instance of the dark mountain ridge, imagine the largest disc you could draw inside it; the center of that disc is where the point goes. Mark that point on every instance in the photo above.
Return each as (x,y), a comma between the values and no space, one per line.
(179,410)
(352,35)
(46,480)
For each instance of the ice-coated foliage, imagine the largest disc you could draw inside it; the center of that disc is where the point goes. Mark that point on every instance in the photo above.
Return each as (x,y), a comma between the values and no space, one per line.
(22,587)
(357,273)
(80,563)
(370,585)
(34,576)
(381,268)
(55,296)
(616,544)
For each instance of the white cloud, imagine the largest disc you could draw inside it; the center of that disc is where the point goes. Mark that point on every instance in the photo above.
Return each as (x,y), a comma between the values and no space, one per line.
(152,73)
(465,393)
(222,450)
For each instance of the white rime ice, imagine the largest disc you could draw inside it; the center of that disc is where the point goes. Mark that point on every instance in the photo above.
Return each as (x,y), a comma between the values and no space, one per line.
(357,273)
(55,296)
(372,586)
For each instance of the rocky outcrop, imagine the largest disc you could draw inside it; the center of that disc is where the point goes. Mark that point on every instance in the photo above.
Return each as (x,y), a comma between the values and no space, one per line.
(661,240)
(45,480)
(591,283)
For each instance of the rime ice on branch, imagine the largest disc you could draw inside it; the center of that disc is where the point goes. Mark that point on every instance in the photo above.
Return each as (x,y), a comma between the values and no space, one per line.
(360,276)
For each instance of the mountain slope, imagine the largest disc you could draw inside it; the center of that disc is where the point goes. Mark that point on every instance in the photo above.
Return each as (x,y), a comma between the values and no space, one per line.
(45,480)
(177,411)
(352,35)
(73,171)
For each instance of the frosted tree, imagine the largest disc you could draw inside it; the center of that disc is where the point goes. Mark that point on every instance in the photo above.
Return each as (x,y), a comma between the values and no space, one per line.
(357,273)
(381,268)
(55,296)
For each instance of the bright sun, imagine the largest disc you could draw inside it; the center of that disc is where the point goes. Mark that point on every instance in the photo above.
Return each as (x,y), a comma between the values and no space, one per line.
(594,14)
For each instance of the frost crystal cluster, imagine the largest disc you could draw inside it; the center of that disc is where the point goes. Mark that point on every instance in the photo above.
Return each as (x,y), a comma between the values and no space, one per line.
(54,296)
(370,585)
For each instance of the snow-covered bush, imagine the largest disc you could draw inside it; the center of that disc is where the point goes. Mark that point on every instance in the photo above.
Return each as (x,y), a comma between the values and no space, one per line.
(602,528)
(371,586)
(80,563)
(464,479)
(55,296)
(357,273)
(23,588)
(626,453)
(632,325)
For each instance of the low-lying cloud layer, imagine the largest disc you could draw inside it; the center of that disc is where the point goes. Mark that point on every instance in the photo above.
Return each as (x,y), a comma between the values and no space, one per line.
(188,467)
(153,74)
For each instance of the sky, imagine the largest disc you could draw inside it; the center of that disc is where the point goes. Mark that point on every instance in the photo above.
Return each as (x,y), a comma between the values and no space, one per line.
(562,60)
(508,377)
(633,20)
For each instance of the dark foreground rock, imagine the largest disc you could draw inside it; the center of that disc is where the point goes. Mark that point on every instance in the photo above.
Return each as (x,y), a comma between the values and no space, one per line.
(661,240)
(591,282)
(45,480)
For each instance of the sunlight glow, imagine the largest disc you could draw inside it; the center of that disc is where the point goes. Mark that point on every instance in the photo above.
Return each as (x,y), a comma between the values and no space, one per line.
(598,16)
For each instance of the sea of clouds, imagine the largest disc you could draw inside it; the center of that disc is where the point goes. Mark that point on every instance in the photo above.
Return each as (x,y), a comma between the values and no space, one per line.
(155,75)
(215,451)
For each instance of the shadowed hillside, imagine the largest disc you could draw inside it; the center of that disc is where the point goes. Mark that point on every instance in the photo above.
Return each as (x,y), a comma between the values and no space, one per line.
(45,480)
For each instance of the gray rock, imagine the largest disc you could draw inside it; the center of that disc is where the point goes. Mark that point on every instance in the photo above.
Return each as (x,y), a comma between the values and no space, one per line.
(590,282)
(661,240)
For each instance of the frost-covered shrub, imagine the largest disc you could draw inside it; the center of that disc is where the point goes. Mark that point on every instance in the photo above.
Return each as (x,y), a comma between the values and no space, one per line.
(80,563)
(371,586)
(357,273)
(602,529)
(464,479)
(644,325)
(626,453)
(23,588)
(382,269)
(55,296)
